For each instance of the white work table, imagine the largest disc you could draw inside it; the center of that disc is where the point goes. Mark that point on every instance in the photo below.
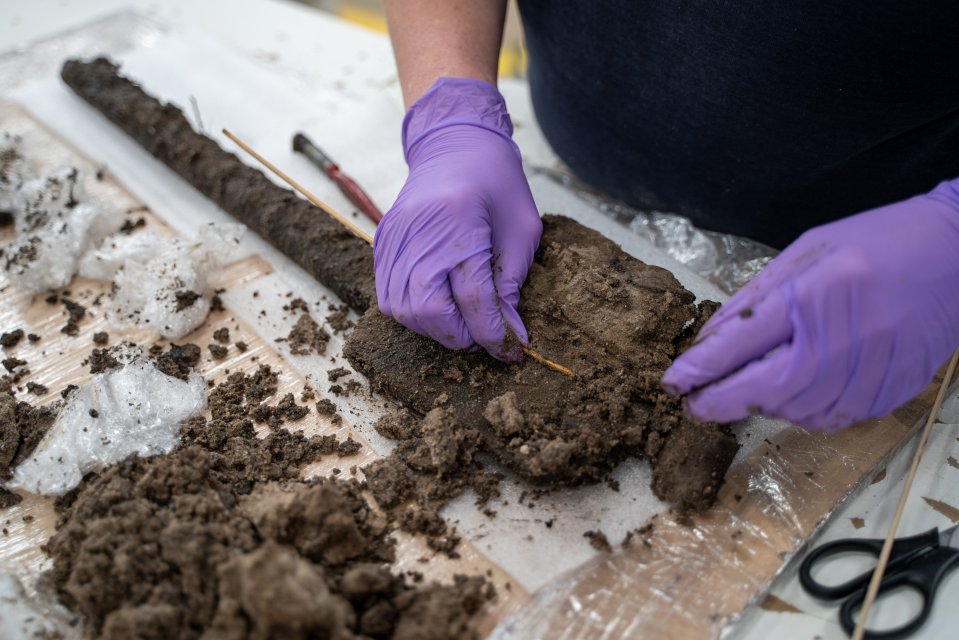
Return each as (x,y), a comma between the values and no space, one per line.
(331,53)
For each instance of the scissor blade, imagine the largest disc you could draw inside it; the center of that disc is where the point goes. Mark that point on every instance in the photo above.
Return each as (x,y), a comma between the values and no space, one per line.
(949,537)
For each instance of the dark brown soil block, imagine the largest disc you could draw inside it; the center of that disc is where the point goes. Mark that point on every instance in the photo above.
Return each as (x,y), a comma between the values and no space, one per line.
(618,323)
(319,244)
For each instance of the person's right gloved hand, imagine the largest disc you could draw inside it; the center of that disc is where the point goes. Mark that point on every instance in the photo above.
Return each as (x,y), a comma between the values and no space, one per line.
(452,253)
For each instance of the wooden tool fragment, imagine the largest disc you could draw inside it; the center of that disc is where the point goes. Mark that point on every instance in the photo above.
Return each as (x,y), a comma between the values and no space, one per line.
(359,233)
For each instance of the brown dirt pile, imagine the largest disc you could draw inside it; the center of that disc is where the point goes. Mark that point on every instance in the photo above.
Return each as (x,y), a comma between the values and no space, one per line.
(221,540)
(316,242)
(618,323)
(432,464)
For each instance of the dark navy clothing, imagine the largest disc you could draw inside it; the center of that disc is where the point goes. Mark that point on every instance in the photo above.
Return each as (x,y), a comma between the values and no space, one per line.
(754,117)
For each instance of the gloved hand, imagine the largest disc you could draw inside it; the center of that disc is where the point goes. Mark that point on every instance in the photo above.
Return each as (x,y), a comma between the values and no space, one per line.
(451,254)
(851,321)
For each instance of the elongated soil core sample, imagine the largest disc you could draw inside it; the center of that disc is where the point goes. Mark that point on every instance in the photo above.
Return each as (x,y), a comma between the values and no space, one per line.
(319,244)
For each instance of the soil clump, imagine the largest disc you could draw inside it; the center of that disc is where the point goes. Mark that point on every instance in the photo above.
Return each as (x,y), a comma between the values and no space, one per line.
(432,464)
(22,427)
(307,337)
(618,323)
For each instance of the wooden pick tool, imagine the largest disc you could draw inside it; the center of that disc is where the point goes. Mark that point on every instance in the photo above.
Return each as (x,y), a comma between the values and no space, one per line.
(362,235)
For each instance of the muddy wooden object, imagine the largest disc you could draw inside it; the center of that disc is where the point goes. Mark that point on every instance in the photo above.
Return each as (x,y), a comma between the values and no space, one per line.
(613,319)
(333,255)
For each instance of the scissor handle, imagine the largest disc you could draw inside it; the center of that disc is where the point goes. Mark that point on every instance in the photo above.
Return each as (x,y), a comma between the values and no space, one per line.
(903,551)
(922,575)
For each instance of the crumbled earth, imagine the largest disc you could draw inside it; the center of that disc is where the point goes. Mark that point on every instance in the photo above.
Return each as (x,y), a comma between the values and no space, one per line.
(22,427)
(11,364)
(598,540)
(432,464)
(307,337)
(11,338)
(101,337)
(615,321)
(338,319)
(75,313)
(179,360)
(221,539)
(222,334)
(218,351)
(185,299)
(8,498)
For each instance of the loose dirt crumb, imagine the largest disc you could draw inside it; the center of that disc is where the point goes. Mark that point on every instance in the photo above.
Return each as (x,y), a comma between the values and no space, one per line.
(75,313)
(11,338)
(185,299)
(179,360)
(101,337)
(598,540)
(325,407)
(218,351)
(8,499)
(36,388)
(241,346)
(335,374)
(339,320)
(129,226)
(22,426)
(222,334)
(12,363)
(307,337)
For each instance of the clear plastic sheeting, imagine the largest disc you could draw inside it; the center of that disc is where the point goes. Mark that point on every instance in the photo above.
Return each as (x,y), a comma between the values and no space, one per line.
(134,409)
(22,618)
(726,260)
(162,283)
(55,224)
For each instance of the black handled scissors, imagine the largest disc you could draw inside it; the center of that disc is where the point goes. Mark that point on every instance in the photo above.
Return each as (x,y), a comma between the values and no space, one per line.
(918,563)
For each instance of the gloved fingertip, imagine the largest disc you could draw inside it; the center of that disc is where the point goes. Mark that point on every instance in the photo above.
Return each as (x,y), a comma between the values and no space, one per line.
(681,377)
(709,405)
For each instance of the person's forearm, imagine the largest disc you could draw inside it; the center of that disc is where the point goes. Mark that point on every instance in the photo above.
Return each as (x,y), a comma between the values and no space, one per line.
(444,38)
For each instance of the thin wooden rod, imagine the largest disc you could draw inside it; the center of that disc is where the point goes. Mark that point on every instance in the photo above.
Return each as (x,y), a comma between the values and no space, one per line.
(873,589)
(566,371)
(359,233)
(346,222)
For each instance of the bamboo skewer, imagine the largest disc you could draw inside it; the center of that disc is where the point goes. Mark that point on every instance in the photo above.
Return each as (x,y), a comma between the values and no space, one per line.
(328,210)
(362,235)
(873,590)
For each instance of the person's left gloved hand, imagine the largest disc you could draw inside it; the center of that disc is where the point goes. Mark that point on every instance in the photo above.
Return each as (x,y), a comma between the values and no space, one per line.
(851,321)
(453,251)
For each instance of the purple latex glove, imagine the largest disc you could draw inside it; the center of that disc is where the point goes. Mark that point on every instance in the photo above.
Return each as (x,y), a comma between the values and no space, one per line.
(451,254)
(851,321)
